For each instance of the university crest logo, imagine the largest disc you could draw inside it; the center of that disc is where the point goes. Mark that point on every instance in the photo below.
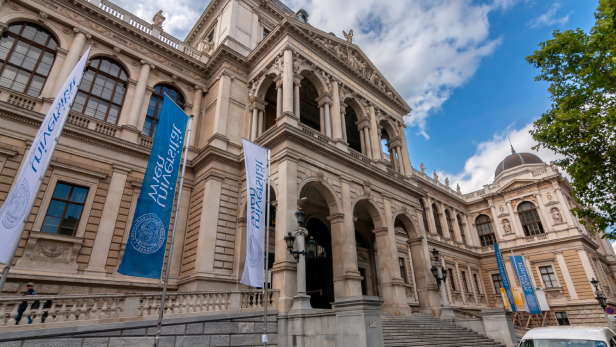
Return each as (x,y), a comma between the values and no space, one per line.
(254,252)
(148,234)
(17,206)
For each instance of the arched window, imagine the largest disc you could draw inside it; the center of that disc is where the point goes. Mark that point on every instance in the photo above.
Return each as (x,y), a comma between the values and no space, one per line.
(529,216)
(437,220)
(425,219)
(461,227)
(102,89)
(449,223)
(485,231)
(155,106)
(27,52)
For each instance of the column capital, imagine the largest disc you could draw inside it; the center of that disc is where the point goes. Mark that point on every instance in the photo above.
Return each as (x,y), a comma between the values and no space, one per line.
(83,32)
(297,79)
(380,231)
(325,98)
(144,62)
(336,218)
(199,88)
(258,104)
(121,169)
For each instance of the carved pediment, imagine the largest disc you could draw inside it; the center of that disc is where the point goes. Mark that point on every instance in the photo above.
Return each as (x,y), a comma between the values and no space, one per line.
(353,57)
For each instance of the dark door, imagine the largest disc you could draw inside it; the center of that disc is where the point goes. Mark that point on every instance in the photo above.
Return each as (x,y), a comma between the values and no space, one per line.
(319,272)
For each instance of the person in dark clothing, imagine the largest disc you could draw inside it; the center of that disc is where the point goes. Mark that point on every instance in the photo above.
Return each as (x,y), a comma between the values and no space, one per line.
(24,305)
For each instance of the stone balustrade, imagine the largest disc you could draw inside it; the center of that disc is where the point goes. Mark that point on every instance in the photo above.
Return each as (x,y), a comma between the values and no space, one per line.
(85,309)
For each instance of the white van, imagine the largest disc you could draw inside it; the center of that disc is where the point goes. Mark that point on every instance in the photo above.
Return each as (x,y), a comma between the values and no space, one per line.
(569,336)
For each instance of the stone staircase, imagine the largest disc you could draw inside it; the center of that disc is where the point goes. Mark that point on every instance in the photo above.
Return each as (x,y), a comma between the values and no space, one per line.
(426,331)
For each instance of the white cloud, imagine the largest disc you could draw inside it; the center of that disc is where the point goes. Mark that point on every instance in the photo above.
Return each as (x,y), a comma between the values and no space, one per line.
(479,169)
(425,48)
(548,18)
(180,15)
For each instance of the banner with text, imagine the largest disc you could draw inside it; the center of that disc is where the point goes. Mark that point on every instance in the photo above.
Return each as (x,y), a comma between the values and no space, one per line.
(529,294)
(147,242)
(255,159)
(503,274)
(18,201)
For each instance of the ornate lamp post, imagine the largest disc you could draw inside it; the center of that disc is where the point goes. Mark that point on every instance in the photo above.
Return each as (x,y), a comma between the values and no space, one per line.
(441,276)
(301,301)
(602,301)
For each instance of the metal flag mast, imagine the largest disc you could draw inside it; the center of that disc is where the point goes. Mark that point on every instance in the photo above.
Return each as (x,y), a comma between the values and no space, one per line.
(175,223)
(266,265)
(9,263)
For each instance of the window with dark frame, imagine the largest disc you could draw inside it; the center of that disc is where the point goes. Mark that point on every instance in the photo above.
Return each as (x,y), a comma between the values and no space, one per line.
(102,90)
(464,282)
(425,219)
(27,53)
(402,270)
(452,281)
(437,220)
(562,318)
(485,231)
(265,33)
(461,227)
(548,276)
(210,37)
(449,223)
(529,217)
(65,208)
(477,284)
(155,106)
(498,282)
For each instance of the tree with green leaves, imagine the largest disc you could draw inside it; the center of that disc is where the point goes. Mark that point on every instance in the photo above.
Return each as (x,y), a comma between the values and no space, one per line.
(581,124)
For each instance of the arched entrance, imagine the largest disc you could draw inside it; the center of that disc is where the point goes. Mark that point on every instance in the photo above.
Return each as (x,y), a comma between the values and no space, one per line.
(366,250)
(319,272)
(309,107)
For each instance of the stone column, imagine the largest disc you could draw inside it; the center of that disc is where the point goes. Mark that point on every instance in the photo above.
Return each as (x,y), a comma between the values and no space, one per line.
(301,301)
(128,102)
(563,207)
(343,121)
(206,241)
(328,121)
(278,99)
(566,275)
(196,111)
(221,113)
(472,232)
(497,227)
(401,161)
(430,216)
(405,151)
(427,289)
(284,269)
(180,234)
(367,142)
(297,81)
(287,90)
(456,228)
(363,142)
(260,124)
(254,124)
(460,281)
(131,131)
(374,136)
(73,56)
(106,228)
(347,279)
(444,224)
(474,289)
(514,220)
(545,217)
(393,286)
(447,311)
(392,158)
(322,120)
(144,108)
(336,116)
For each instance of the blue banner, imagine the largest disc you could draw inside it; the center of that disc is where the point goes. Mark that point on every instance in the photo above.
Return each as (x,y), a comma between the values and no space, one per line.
(529,294)
(503,274)
(147,242)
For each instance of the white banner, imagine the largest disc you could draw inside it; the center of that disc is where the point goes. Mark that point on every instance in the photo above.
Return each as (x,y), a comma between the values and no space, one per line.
(255,159)
(16,205)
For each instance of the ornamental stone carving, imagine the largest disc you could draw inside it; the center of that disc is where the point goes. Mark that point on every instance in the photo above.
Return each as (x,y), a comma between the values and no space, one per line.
(435,175)
(506,226)
(423,168)
(158,18)
(52,251)
(348,36)
(556,216)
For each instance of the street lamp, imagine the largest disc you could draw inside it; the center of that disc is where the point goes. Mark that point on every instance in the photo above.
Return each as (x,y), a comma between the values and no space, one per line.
(441,276)
(602,300)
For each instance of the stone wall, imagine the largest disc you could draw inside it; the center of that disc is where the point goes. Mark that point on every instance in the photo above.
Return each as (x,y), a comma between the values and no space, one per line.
(221,330)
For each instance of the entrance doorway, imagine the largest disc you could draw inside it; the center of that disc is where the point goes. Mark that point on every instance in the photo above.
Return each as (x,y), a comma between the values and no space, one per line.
(319,272)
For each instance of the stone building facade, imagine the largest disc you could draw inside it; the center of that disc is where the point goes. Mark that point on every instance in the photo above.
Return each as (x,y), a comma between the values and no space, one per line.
(257,69)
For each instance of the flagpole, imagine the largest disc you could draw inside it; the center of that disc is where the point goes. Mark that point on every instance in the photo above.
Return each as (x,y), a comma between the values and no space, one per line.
(9,263)
(266,267)
(175,223)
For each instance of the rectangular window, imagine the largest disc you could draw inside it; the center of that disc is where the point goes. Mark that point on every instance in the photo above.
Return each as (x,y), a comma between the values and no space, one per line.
(265,33)
(477,284)
(498,282)
(452,280)
(402,269)
(548,276)
(562,318)
(65,209)
(464,283)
